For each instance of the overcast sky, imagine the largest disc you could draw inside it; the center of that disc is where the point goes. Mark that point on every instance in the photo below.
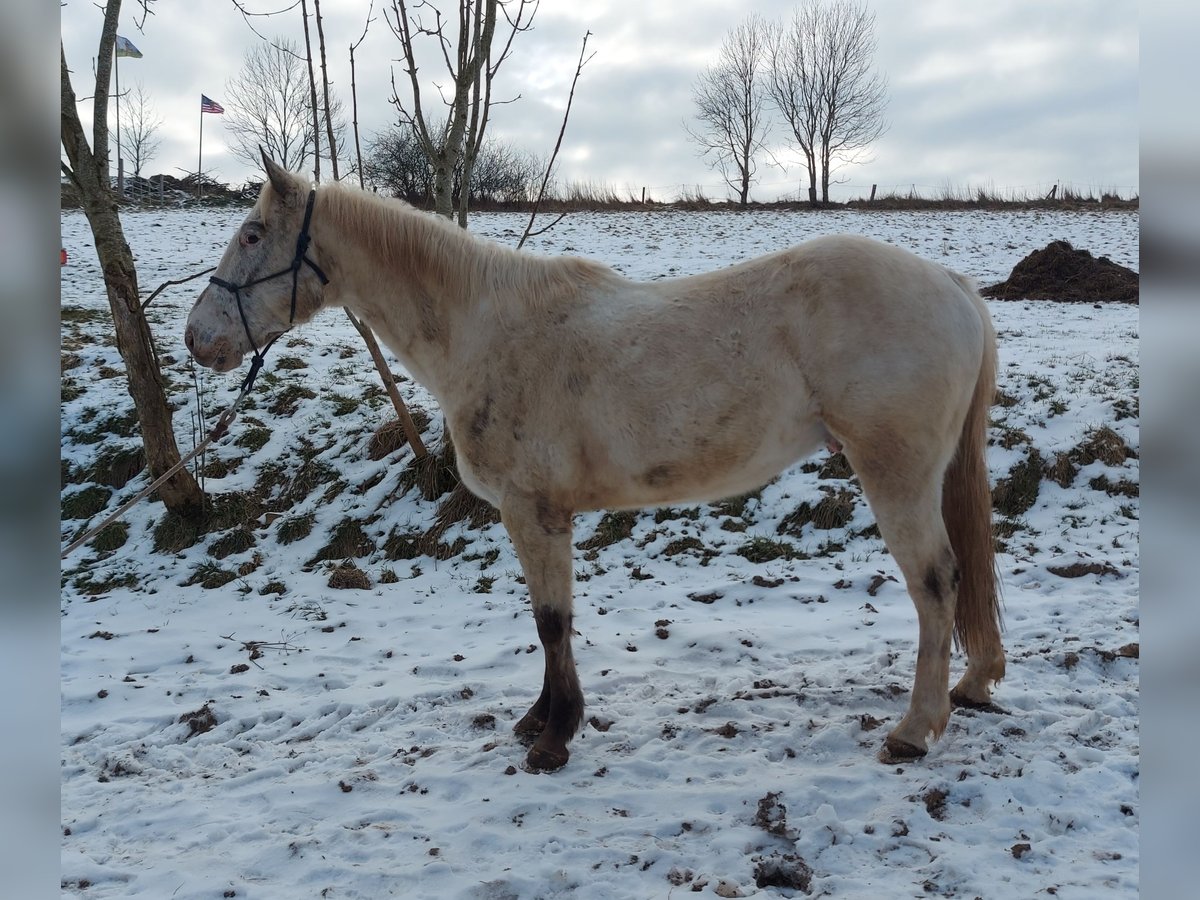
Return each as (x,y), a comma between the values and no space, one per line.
(1012,97)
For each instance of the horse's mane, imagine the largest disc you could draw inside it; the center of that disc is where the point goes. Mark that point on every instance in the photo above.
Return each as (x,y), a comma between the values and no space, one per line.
(429,248)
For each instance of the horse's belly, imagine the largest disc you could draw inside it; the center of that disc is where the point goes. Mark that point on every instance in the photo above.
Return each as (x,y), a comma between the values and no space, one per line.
(717,467)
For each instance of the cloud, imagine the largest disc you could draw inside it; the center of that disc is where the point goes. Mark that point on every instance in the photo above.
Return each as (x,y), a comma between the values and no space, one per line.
(1013,94)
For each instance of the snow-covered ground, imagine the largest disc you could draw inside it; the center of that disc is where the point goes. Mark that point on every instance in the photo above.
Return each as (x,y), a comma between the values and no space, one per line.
(270,736)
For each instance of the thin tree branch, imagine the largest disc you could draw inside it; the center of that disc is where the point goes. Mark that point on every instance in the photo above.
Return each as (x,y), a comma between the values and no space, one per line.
(557,144)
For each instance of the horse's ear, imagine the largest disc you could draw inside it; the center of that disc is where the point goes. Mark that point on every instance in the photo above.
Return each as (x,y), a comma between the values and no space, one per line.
(281,179)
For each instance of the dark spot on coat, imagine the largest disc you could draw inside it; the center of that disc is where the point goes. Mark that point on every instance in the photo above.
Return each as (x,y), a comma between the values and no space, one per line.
(553,519)
(577,383)
(933,583)
(482,418)
(657,476)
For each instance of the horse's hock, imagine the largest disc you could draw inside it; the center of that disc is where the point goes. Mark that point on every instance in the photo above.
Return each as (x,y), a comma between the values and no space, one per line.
(1060,272)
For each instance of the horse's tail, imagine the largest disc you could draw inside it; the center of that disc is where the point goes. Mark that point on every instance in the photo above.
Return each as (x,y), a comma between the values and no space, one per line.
(967,509)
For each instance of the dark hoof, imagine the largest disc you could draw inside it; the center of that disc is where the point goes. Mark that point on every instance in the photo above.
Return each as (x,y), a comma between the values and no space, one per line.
(530,724)
(962,701)
(897,751)
(541,759)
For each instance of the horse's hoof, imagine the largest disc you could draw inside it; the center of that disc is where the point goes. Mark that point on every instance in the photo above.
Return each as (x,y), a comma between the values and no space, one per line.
(530,724)
(897,751)
(962,701)
(541,759)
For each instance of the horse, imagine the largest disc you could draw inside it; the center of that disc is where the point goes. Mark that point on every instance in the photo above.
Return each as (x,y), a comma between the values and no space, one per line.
(567,387)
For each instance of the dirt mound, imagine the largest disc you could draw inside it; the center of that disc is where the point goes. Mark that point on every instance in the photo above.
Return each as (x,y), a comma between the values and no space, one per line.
(1060,272)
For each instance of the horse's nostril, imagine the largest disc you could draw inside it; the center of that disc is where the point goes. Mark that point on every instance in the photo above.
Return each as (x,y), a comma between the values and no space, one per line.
(189,339)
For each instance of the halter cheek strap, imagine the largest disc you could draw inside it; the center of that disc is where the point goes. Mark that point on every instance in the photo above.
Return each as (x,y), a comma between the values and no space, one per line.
(300,259)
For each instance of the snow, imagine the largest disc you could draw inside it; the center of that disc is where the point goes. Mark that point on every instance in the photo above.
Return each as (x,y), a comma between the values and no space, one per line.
(365,750)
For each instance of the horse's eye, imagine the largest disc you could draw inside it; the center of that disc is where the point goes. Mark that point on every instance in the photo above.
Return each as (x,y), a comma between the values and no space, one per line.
(251,238)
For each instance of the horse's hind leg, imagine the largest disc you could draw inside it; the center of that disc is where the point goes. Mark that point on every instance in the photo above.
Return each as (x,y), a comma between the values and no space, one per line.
(541,535)
(905,496)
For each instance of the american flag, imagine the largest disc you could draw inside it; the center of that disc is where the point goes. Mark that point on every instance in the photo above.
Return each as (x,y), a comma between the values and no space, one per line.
(210,106)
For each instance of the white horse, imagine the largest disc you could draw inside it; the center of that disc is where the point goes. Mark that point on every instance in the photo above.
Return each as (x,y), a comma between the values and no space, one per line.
(567,387)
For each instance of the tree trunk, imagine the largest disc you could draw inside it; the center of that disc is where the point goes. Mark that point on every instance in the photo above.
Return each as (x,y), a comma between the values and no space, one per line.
(333,162)
(312,87)
(180,493)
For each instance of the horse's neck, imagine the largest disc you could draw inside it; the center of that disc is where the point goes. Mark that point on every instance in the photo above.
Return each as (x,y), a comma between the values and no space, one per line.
(413,283)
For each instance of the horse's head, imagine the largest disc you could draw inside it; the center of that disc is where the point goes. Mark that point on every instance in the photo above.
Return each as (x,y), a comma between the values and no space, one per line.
(267,281)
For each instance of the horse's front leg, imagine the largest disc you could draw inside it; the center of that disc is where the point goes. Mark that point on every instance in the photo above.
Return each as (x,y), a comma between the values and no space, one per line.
(541,534)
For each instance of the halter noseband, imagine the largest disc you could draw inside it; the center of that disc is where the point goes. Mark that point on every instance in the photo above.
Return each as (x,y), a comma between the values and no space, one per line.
(300,259)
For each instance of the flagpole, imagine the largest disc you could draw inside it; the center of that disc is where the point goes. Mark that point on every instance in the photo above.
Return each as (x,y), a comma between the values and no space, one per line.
(200,158)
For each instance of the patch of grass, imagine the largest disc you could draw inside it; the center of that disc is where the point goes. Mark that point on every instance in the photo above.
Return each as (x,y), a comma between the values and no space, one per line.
(85,503)
(111,538)
(348,576)
(70,390)
(347,540)
(219,468)
(273,587)
(94,587)
(670,513)
(484,584)
(1007,527)
(312,474)
(736,506)
(309,610)
(1011,437)
(295,528)
(1016,493)
(343,405)
(1122,488)
(1004,399)
(287,401)
(1105,445)
(1126,409)
(1043,387)
(210,576)
(444,551)
(837,466)
(387,575)
(178,531)
(239,540)
(116,467)
(613,527)
(689,545)
(121,425)
(253,439)
(834,510)
(403,544)
(763,549)
(1062,470)
(271,476)
(432,475)
(77,315)
(290,363)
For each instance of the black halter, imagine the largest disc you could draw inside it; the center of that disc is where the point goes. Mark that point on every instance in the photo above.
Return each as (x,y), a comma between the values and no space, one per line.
(300,259)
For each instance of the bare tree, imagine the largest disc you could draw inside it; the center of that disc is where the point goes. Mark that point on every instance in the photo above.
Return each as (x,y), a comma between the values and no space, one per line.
(794,87)
(141,130)
(730,98)
(472,64)
(88,168)
(269,102)
(820,79)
